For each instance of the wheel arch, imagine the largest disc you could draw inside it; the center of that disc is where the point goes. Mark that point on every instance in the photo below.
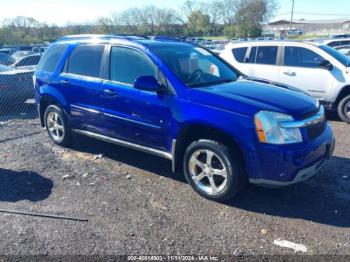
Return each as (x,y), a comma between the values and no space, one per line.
(343,93)
(196,131)
(47,100)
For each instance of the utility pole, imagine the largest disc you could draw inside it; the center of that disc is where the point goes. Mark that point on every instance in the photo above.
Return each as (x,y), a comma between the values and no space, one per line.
(291,17)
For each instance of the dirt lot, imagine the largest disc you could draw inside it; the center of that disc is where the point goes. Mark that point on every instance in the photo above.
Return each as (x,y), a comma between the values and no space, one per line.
(135,205)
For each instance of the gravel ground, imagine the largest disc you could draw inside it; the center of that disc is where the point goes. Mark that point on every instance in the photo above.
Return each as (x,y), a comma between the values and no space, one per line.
(135,205)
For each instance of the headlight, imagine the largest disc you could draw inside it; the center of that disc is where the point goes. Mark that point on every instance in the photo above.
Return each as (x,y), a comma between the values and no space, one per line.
(269,130)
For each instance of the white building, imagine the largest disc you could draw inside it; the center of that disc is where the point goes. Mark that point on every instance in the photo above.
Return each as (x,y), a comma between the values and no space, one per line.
(319,27)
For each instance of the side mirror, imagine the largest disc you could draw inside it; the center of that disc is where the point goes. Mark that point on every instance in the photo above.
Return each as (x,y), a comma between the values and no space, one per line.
(326,64)
(147,83)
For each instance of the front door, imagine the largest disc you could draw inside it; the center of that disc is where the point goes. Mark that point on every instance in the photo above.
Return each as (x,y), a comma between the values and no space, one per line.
(137,116)
(300,68)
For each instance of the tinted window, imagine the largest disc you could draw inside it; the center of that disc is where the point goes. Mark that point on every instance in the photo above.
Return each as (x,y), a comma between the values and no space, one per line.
(194,66)
(86,60)
(51,58)
(28,61)
(299,56)
(252,55)
(335,43)
(345,42)
(127,65)
(239,54)
(266,55)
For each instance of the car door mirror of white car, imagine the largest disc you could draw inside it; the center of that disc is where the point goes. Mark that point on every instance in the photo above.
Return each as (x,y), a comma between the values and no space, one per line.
(326,64)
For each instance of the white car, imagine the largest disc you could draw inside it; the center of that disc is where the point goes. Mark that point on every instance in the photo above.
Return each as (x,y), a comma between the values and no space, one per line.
(317,69)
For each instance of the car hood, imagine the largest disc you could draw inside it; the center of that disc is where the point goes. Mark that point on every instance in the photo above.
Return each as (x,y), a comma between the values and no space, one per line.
(248,96)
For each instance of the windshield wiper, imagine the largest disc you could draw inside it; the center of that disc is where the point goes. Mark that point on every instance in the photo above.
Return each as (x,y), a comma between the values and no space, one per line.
(222,81)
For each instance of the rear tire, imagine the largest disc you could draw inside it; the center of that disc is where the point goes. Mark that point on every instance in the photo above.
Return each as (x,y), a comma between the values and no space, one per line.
(344,109)
(213,170)
(57,125)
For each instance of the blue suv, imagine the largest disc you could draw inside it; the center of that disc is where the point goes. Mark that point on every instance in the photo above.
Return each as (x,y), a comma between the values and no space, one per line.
(181,102)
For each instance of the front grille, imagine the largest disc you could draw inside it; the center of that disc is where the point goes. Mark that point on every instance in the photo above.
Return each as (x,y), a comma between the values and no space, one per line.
(317,129)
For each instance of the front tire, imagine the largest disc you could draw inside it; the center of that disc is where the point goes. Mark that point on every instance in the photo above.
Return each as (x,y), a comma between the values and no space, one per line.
(344,109)
(57,125)
(213,170)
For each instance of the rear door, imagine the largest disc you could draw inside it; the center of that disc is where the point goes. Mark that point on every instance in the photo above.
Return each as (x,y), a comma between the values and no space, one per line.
(81,85)
(300,68)
(261,62)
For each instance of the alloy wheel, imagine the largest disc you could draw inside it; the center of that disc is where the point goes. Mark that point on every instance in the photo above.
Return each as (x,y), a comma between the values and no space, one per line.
(208,171)
(55,126)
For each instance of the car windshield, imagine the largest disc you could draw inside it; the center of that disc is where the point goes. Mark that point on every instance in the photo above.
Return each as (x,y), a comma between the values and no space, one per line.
(337,55)
(195,66)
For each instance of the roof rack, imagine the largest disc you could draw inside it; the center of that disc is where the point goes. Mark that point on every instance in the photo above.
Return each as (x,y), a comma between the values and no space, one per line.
(166,38)
(87,36)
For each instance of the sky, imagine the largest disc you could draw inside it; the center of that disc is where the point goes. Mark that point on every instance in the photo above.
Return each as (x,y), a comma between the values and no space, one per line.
(61,12)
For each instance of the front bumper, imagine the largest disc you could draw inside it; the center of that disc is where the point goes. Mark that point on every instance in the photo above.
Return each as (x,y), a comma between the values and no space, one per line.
(288,164)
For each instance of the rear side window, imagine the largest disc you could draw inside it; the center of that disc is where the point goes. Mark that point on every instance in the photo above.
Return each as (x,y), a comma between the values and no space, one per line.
(300,56)
(50,60)
(239,54)
(86,60)
(127,65)
(266,55)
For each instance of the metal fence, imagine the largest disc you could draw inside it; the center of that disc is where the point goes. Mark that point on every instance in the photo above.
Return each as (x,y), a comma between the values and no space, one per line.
(17,90)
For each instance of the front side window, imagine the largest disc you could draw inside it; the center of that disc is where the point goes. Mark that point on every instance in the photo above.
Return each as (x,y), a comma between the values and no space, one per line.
(86,60)
(266,55)
(194,66)
(300,56)
(51,58)
(127,65)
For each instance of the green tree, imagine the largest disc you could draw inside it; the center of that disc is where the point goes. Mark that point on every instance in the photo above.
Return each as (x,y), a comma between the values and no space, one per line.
(250,14)
(198,23)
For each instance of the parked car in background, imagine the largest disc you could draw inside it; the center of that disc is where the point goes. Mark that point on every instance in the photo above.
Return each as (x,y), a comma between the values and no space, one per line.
(340,36)
(8,51)
(39,50)
(317,69)
(16,86)
(344,49)
(20,54)
(215,47)
(336,42)
(6,59)
(178,101)
(29,62)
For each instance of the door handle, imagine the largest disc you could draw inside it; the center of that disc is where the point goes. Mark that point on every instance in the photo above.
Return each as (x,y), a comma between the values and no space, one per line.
(289,73)
(110,92)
